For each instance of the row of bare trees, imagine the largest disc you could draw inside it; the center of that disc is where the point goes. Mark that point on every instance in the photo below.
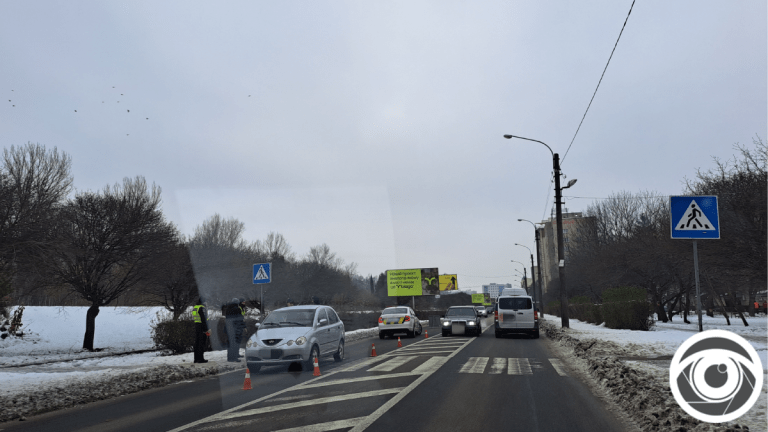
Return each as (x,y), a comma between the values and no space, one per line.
(98,247)
(626,241)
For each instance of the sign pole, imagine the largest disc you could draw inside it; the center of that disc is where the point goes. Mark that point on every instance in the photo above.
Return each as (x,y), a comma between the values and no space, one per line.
(698,293)
(261,302)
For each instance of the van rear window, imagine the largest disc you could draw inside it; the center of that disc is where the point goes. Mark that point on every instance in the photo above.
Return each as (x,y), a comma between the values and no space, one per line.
(515,303)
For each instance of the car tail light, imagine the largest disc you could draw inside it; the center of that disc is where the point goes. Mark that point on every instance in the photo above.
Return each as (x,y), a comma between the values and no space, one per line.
(496,315)
(381,319)
(407,318)
(535,314)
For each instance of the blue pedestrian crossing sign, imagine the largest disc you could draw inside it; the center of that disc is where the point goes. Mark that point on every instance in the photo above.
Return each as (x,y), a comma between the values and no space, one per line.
(694,217)
(262,273)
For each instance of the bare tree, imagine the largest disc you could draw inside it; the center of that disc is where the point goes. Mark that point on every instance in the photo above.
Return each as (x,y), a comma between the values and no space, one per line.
(172,284)
(274,246)
(109,240)
(33,183)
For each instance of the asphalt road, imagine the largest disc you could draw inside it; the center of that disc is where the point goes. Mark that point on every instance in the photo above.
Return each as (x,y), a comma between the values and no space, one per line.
(437,384)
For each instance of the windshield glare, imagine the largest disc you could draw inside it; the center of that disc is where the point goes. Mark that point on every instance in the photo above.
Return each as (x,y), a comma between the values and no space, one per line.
(392,311)
(460,312)
(294,317)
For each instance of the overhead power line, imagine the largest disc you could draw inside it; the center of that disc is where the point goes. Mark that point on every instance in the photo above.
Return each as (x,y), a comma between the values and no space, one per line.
(598,83)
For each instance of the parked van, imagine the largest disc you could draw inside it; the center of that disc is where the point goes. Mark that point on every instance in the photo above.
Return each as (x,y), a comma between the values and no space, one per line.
(515,314)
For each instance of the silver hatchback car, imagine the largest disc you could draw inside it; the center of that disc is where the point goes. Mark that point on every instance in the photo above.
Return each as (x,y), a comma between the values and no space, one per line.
(296,334)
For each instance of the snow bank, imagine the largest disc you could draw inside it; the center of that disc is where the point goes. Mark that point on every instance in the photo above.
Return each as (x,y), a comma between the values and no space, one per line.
(641,388)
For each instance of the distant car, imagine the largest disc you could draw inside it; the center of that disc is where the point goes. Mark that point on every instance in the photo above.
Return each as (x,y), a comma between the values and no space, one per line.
(489,310)
(296,334)
(481,310)
(398,319)
(461,320)
(515,314)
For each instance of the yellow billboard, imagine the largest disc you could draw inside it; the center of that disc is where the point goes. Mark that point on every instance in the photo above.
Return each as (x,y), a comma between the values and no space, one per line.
(412,282)
(448,282)
(483,299)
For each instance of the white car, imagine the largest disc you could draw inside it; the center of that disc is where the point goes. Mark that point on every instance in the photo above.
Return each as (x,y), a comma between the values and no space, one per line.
(481,311)
(398,319)
(515,314)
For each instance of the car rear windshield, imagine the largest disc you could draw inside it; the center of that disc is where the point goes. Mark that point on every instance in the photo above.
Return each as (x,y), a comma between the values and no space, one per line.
(290,318)
(515,303)
(392,311)
(460,311)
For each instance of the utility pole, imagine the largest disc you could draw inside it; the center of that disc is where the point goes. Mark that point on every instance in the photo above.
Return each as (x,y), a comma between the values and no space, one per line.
(541,281)
(560,249)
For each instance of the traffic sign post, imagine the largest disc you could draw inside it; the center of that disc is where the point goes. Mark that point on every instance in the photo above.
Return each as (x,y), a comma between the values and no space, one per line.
(262,274)
(694,217)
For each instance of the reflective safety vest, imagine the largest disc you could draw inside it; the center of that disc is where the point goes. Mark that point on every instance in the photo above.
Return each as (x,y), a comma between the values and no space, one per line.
(196,314)
(242,311)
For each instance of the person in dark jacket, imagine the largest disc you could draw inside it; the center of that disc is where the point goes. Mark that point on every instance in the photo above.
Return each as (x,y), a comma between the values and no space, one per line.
(201,330)
(234,325)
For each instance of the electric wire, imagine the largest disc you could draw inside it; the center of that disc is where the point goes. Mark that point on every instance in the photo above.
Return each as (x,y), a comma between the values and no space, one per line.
(598,83)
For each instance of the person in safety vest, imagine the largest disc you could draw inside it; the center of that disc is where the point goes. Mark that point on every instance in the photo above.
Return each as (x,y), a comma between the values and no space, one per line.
(201,330)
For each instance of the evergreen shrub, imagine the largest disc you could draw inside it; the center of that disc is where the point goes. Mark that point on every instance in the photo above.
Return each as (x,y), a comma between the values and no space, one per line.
(177,336)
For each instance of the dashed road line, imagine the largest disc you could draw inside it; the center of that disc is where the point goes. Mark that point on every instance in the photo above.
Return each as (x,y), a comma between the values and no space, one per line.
(329,426)
(474,365)
(519,366)
(498,366)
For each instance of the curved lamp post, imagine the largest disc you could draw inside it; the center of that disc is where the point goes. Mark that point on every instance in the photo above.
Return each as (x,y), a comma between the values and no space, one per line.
(538,260)
(560,249)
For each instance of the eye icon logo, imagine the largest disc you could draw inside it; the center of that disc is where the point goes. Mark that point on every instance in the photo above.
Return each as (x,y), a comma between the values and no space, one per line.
(716,376)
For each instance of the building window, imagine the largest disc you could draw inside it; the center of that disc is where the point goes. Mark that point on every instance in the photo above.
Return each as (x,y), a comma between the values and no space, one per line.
(565,230)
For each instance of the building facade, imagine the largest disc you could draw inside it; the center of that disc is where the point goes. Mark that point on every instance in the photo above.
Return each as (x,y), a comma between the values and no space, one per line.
(573,223)
(495,289)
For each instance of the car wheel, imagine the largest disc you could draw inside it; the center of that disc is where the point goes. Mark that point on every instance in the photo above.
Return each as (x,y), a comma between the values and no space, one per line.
(381,335)
(420,330)
(498,334)
(339,355)
(315,353)
(252,368)
(536,334)
(411,333)
(446,334)
(479,332)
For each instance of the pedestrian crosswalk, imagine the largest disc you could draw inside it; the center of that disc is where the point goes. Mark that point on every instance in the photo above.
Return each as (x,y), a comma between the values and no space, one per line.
(508,366)
(415,364)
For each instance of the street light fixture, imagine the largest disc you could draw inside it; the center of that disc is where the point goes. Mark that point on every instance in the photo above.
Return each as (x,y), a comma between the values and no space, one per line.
(538,260)
(525,274)
(533,275)
(560,248)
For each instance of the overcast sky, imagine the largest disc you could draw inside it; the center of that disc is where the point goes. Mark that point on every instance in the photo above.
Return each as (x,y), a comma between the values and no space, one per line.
(376,127)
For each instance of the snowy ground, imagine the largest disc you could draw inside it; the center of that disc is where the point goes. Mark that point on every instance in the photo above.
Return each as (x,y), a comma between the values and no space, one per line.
(640,349)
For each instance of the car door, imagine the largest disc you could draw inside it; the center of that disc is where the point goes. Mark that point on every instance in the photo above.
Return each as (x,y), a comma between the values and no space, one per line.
(323,331)
(337,328)
(525,313)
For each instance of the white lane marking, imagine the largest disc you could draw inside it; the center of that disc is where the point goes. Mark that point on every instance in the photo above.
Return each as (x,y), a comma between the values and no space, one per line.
(361,364)
(474,365)
(269,409)
(519,366)
(430,365)
(419,353)
(390,365)
(498,366)
(355,380)
(558,365)
(323,427)
(398,397)
(263,398)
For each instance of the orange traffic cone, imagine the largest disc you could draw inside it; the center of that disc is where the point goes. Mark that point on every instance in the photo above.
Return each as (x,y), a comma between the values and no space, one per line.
(373,350)
(317,369)
(247,383)
(399,344)
(426,334)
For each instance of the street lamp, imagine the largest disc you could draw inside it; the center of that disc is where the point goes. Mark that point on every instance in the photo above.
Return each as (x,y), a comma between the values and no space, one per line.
(533,274)
(524,275)
(538,260)
(560,248)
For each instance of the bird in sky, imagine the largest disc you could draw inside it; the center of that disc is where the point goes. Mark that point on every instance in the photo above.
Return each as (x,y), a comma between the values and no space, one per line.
(129,110)
(75,110)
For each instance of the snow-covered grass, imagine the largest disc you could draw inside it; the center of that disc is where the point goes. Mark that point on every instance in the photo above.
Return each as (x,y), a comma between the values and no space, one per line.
(665,338)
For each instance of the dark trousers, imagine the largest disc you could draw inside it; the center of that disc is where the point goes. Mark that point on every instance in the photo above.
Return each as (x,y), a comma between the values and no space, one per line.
(200,342)
(233,338)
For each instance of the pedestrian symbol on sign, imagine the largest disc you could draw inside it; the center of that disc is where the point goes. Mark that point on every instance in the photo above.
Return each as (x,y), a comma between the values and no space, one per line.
(693,219)
(261,274)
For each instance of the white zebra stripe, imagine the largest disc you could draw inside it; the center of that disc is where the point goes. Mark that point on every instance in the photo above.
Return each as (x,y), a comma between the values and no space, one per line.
(474,365)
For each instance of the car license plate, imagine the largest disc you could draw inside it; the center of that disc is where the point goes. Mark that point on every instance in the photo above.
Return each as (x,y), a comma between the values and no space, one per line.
(276,354)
